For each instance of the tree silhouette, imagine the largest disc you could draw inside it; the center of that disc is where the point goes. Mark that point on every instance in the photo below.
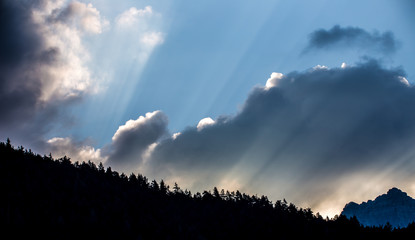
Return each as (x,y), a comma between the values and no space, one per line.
(56,199)
(216,193)
(163,187)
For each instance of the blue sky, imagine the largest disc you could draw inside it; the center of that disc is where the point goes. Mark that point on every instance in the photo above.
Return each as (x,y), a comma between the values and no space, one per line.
(214,53)
(127,83)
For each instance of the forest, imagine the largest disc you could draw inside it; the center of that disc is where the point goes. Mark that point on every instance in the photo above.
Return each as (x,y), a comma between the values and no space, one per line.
(63,199)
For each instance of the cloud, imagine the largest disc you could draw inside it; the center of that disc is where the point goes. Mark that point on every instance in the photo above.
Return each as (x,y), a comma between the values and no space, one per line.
(80,14)
(43,62)
(152,38)
(63,26)
(132,16)
(131,144)
(320,67)
(140,30)
(273,80)
(204,123)
(78,151)
(352,37)
(175,135)
(133,139)
(302,138)
(404,80)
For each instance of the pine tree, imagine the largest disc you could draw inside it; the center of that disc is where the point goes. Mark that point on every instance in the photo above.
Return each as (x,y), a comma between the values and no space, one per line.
(163,188)
(216,192)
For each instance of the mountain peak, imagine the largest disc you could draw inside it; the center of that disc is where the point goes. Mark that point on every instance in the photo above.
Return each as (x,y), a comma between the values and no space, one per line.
(395,207)
(394,195)
(396,192)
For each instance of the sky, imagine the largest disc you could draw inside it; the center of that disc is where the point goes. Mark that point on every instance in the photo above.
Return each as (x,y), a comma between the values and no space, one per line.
(311,101)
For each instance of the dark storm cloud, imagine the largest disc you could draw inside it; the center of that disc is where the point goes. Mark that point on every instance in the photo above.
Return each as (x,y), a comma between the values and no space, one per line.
(37,64)
(312,127)
(352,37)
(22,52)
(131,140)
(19,50)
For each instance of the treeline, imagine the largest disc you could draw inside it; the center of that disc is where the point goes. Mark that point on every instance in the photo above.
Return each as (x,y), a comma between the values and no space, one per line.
(48,198)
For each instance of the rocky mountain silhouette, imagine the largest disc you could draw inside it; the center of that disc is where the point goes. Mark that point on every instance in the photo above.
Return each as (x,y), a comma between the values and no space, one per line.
(395,207)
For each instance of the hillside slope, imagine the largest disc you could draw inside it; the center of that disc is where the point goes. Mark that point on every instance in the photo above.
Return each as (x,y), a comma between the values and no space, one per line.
(55,199)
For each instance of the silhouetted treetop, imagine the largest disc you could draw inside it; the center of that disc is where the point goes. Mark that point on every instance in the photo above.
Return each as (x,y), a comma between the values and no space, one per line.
(57,199)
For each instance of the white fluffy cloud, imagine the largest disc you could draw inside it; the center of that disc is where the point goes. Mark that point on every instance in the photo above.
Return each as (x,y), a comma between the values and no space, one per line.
(156,117)
(133,16)
(404,80)
(133,139)
(131,144)
(273,80)
(320,67)
(141,31)
(204,123)
(62,27)
(80,15)
(175,135)
(77,151)
(152,38)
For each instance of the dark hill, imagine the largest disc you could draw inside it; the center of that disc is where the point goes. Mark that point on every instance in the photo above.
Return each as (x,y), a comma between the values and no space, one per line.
(55,199)
(395,207)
